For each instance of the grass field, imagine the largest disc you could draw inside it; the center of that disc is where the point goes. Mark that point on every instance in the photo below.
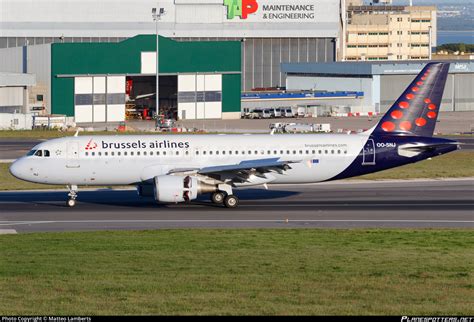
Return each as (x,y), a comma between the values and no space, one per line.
(271,272)
(453,165)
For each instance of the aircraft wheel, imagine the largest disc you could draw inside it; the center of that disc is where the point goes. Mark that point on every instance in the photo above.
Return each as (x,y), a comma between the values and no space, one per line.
(231,201)
(71,202)
(217,197)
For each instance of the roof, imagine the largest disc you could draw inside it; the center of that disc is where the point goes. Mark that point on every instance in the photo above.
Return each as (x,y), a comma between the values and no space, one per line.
(372,68)
(17,79)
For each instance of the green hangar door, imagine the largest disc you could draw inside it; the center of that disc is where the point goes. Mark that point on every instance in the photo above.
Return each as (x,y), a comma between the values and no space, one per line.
(199,96)
(99,99)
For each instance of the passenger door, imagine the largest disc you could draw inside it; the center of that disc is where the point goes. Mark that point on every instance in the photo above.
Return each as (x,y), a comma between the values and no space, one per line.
(368,154)
(72,157)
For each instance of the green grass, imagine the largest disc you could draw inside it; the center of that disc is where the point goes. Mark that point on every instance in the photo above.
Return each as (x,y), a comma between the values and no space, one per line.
(270,272)
(452,165)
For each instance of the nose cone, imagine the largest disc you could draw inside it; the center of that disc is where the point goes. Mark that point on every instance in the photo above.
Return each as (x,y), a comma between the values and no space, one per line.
(17,169)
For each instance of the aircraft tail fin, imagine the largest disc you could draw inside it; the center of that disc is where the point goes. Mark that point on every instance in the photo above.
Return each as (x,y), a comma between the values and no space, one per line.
(415,112)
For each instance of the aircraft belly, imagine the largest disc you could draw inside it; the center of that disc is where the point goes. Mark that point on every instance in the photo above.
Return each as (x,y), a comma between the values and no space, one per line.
(309,172)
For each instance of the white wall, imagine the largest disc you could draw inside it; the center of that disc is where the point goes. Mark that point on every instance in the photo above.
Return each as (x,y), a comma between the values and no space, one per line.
(120,18)
(16,121)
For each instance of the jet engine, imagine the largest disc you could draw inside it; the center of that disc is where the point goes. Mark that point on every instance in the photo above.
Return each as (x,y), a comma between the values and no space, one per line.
(169,188)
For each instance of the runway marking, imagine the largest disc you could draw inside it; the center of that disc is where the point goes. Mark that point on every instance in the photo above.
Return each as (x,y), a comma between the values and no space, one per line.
(17,223)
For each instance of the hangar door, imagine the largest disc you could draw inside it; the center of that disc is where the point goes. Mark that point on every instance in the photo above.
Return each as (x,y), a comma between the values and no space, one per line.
(199,96)
(99,99)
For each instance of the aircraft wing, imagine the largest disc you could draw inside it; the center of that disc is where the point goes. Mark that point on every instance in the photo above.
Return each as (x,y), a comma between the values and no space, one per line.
(240,172)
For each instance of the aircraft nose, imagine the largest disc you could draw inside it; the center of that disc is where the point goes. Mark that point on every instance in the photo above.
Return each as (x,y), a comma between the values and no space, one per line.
(16,169)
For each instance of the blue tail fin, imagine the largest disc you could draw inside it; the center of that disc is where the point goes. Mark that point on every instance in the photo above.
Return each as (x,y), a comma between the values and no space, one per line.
(416,110)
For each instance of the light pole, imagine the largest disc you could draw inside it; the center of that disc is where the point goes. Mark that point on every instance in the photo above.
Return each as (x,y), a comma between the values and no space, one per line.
(156,16)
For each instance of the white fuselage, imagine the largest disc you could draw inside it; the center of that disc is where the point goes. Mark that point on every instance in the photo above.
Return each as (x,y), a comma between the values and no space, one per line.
(132,159)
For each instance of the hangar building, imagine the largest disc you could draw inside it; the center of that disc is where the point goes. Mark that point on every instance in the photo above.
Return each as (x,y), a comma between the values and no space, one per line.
(270,31)
(95,81)
(381,82)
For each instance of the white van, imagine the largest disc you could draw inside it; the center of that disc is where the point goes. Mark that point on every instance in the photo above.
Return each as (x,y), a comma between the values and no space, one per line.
(288,112)
(275,112)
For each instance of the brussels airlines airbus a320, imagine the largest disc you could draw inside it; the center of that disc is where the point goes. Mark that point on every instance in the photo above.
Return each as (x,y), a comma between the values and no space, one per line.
(177,168)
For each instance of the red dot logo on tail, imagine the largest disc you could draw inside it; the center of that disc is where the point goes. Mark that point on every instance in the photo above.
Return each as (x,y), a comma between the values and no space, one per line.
(420,121)
(405,126)
(388,126)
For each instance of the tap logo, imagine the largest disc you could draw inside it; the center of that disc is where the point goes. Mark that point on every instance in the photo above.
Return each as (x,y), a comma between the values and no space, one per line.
(91,145)
(240,8)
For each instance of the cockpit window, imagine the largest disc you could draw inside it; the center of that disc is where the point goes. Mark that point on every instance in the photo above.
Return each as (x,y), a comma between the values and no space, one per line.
(39,153)
(46,153)
(31,152)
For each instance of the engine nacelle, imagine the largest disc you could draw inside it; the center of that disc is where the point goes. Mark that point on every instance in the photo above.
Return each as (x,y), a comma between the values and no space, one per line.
(179,188)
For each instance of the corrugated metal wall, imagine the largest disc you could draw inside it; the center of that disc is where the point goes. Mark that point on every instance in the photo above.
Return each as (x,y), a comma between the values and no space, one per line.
(459,99)
(261,57)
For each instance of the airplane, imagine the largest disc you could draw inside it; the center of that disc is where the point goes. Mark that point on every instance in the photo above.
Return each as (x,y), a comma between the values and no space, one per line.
(178,168)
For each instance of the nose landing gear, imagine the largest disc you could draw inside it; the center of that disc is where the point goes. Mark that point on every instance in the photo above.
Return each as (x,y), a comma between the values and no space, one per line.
(71,202)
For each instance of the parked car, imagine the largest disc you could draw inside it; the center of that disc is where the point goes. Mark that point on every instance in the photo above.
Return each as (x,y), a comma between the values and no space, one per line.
(288,112)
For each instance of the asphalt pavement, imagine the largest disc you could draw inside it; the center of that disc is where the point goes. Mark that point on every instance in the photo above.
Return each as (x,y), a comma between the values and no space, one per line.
(346,204)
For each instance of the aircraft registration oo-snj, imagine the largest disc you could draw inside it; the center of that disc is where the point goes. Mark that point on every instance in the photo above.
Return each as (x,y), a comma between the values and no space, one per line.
(178,168)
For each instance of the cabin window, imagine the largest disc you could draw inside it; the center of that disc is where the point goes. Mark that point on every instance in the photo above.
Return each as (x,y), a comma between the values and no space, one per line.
(307,152)
(301,152)
(99,154)
(345,151)
(217,152)
(325,151)
(151,152)
(131,152)
(112,153)
(93,153)
(338,151)
(164,152)
(319,152)
(138,153)
(144,152)
(197,152)
(223,152)
(187,152)
(313,151)
(177,152)
(106,153)
(210,152)
(332,151)
(256,152)
(230,152)
(275,151)
(204,152)
(294,151)
(157,153)
(87,153)
(119,153)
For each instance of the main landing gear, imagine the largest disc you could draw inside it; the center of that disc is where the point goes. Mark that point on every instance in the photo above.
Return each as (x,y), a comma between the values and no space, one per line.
(225,196)
(71,202)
